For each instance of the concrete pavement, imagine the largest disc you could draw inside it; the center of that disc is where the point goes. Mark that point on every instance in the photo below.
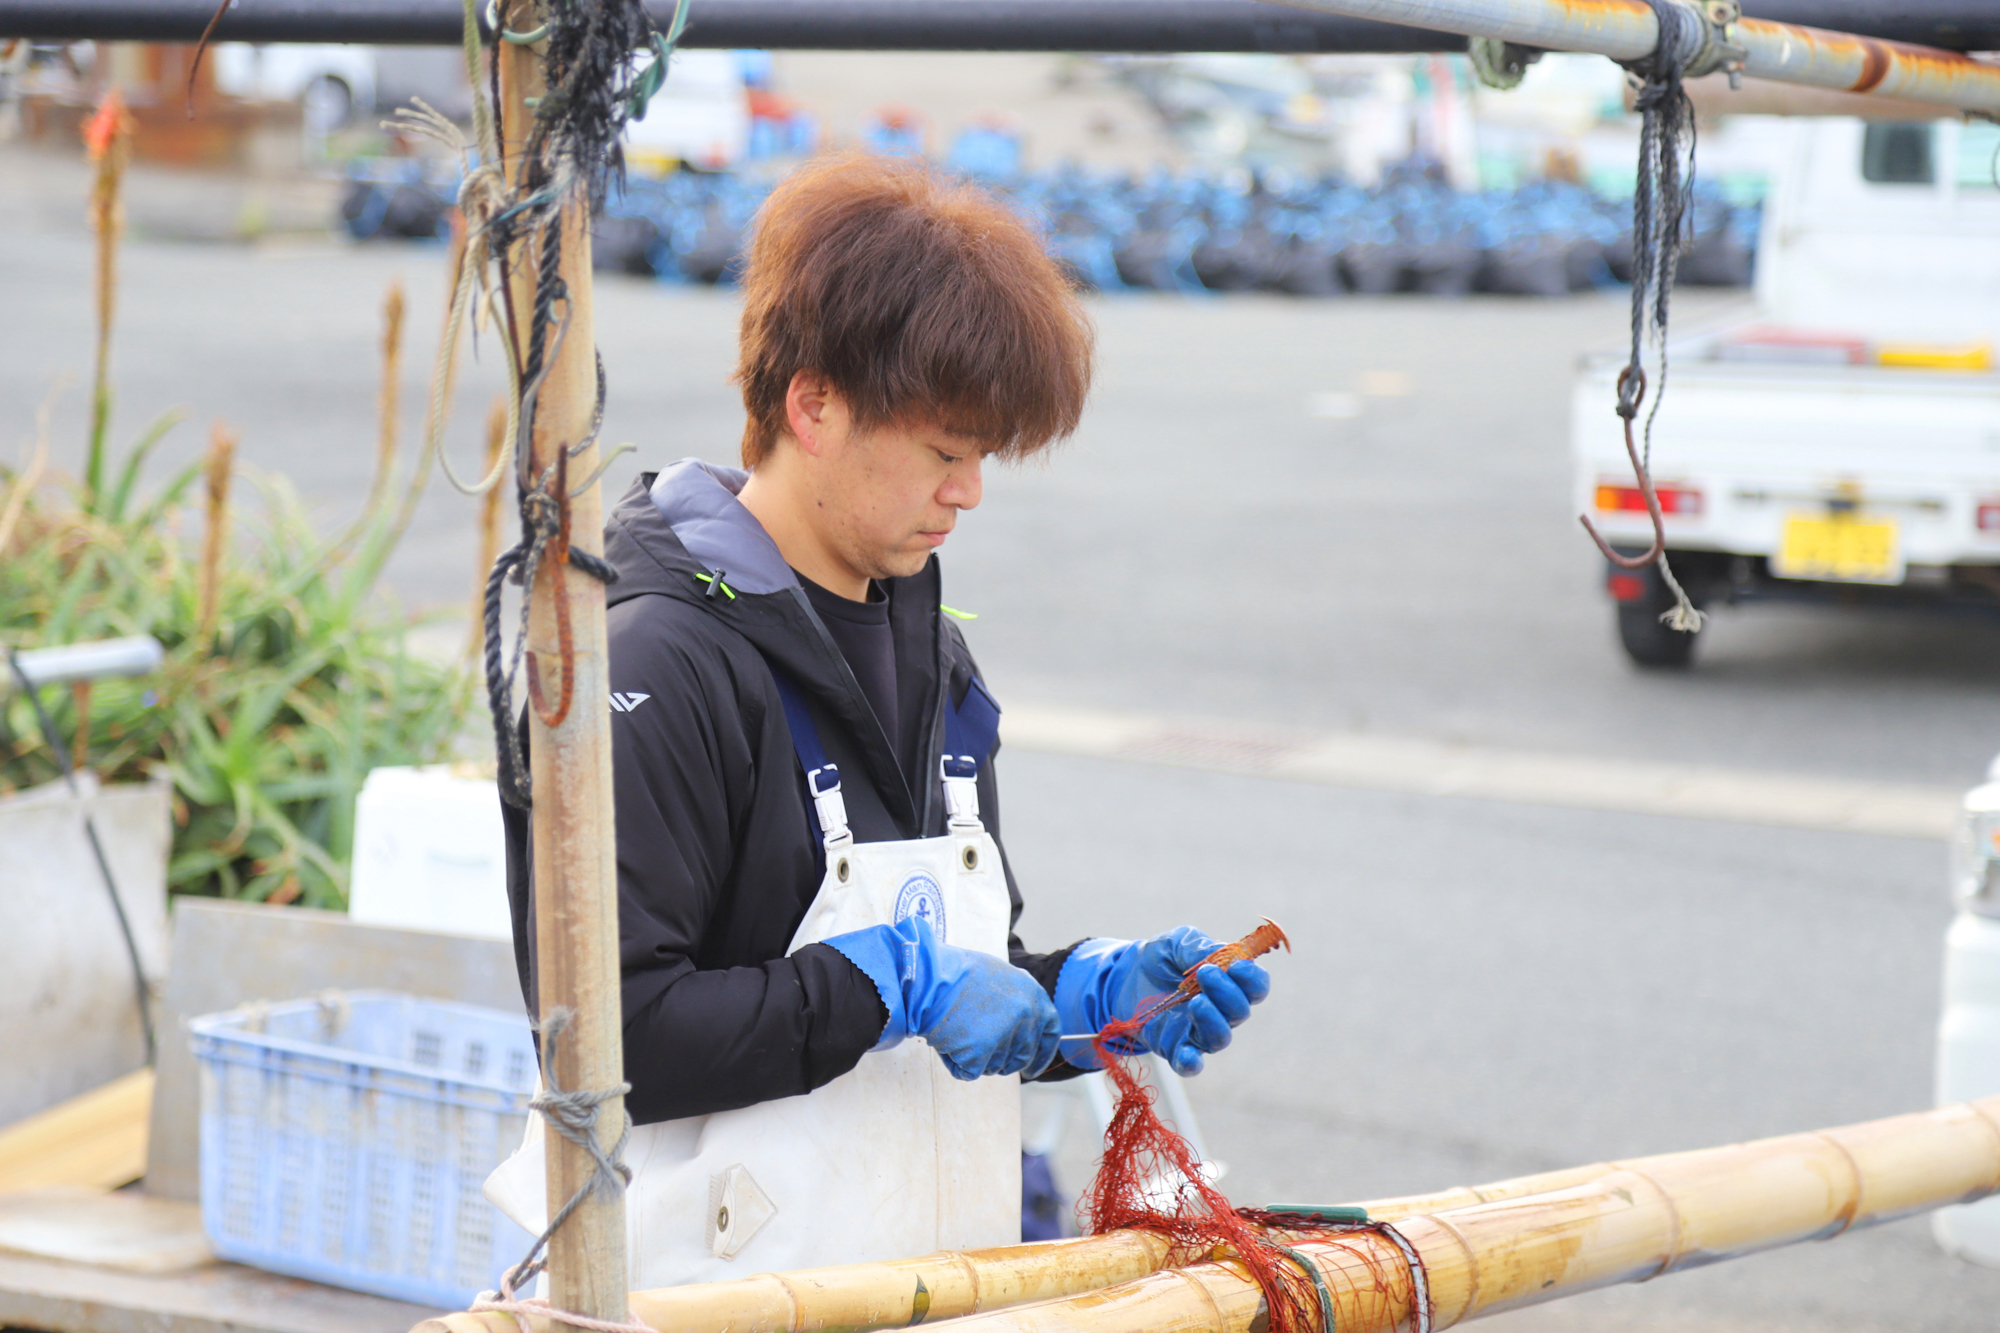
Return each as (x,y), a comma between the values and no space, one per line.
(1483,987)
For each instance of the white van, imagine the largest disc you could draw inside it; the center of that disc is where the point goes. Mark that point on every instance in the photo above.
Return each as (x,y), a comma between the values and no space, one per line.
(333,82)
(700,117)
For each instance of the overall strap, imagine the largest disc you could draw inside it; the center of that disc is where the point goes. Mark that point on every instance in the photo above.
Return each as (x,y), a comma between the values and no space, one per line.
(971,730)
(822,778)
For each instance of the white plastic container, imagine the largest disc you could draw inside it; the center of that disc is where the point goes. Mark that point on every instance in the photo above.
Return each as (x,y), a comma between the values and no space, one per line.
(67,1001)
(1969,1033)
(430,854)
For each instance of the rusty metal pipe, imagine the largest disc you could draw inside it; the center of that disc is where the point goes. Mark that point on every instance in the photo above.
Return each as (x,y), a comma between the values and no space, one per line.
(1627,30)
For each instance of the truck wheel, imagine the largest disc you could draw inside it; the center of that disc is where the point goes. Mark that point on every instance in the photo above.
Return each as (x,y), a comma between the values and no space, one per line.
(326,104)
(1643,597)
(1648,642)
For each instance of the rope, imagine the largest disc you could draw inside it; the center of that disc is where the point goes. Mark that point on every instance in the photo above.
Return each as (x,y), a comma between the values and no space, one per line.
(1659,235)
(544,538)
(572,1114)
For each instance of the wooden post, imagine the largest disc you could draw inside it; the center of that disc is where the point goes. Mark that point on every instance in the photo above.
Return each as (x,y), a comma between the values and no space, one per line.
(576,890)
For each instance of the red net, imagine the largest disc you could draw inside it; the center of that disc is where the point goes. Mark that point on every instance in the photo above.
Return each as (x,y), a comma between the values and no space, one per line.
(1151,1179)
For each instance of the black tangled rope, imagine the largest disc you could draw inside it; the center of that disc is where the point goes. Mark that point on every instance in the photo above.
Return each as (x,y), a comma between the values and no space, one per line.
(591,90)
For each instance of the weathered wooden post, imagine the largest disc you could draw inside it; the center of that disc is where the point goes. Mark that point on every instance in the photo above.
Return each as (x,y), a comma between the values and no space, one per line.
(576,892)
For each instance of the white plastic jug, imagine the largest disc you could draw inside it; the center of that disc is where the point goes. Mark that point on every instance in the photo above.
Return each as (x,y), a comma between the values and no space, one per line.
(1969,1033)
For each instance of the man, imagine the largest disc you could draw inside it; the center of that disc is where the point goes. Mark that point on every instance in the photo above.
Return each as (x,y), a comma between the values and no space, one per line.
(826,1008)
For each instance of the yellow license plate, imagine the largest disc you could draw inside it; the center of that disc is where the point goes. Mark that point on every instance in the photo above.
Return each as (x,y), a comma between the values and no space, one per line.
(1840,548)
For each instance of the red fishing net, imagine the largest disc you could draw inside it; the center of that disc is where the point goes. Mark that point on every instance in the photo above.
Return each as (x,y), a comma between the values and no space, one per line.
(1151,1179)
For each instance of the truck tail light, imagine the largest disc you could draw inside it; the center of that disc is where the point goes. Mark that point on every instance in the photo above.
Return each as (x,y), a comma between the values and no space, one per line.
(1626,587)
(1673,499)
(1989,515)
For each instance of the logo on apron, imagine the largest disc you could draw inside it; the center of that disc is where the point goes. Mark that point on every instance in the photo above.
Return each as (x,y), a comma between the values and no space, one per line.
(920,897)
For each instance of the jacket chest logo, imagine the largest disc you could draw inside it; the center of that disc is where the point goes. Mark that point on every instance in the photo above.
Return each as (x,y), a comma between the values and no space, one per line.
(920,897)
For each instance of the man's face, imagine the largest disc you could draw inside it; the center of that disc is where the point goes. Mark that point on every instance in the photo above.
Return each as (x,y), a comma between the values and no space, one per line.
(887,497)
(894,494)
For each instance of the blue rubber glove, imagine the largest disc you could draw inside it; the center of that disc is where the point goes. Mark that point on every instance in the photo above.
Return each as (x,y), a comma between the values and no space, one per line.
(980,1013)
(1107,979)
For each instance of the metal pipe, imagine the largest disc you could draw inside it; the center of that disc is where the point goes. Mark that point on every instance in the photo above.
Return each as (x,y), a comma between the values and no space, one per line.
(1950,25)
(926,25)
(852,25)
(1627,30)
(139,655)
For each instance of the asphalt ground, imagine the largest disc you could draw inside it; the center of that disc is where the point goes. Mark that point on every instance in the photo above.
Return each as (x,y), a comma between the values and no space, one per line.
(1483,987)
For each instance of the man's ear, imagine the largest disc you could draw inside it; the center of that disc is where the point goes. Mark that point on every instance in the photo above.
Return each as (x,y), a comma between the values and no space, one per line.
(811,404)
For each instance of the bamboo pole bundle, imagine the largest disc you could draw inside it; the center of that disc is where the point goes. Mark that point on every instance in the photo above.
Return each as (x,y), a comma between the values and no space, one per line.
(861,1297)
(1635,1221)
(1484,1249)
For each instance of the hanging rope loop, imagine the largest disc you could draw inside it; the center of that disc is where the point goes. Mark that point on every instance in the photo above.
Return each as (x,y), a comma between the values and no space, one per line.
(1688,39)
(1631,391)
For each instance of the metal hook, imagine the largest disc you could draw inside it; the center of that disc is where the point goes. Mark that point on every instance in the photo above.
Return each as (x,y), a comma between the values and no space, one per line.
(1635,378)
(597,416)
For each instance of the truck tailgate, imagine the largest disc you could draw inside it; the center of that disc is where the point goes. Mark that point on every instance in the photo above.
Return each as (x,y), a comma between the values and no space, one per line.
(1761,442)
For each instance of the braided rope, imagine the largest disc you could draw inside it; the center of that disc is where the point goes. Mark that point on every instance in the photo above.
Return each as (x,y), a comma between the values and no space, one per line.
(1660,198)
(1660,221)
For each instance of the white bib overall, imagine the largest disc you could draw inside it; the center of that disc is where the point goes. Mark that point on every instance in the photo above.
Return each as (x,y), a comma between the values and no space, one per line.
(892,1159)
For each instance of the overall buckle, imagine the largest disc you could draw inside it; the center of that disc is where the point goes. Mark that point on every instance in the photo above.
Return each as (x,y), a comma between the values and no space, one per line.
(829,805)
(961,791)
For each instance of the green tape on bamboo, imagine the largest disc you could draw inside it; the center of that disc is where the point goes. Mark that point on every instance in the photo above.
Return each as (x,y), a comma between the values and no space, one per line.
(1324,1212)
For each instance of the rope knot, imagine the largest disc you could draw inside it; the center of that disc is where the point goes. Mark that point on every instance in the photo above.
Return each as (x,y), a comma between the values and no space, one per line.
(572,1113)
(541,512)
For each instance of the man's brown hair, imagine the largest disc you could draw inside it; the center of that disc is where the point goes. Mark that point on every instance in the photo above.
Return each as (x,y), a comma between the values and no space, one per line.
(919,298)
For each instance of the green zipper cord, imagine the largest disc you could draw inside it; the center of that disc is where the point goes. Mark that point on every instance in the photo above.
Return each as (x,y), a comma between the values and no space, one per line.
(957,614)
(710,578)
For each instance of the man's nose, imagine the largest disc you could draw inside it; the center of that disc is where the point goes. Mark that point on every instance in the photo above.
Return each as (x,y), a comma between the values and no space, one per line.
(961,489)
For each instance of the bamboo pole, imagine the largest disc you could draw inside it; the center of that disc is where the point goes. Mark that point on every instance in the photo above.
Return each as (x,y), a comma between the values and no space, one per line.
(894,1294)
(576,905)
(1486,1247)
(1628,30)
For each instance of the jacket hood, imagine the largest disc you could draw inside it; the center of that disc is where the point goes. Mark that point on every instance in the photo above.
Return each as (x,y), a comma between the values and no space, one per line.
(698,501)
(676,526)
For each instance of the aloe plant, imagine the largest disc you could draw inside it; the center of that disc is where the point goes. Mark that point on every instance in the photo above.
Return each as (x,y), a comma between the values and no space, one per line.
(267,723)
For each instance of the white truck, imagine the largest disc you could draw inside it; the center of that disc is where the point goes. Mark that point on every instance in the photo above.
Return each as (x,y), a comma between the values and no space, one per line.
(1844,443)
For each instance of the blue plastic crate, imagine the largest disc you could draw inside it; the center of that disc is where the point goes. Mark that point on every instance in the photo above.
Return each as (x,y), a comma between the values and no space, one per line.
(346,1139)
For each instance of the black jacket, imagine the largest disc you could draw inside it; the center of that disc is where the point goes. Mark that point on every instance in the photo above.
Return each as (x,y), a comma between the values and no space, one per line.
(718,855)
